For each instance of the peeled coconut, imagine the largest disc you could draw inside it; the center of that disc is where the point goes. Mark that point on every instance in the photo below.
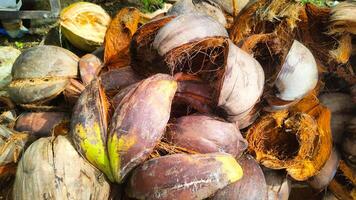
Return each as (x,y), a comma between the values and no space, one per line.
(84,25)
(51,168)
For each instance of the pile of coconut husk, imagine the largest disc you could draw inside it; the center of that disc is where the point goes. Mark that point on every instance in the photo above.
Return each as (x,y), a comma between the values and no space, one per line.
(203,100)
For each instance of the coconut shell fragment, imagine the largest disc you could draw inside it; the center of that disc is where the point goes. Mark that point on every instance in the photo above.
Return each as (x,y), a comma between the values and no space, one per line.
(183,176)
(298,140)
(89,127)
(117,79)
(51,168)
(89,67)
(251,186)
(139,123)
(206,134)
(118,37)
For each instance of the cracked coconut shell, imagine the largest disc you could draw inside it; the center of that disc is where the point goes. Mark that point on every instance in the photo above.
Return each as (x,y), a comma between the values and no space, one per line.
(84,25)
(298,140)
(41,73)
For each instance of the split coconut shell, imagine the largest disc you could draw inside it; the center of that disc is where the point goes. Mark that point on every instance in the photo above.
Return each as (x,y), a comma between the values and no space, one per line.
(183,176)
(298,140)
(84,24)
(51,168)
(41,73)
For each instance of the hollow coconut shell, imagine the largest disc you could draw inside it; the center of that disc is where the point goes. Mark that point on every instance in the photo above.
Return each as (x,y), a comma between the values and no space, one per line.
(298,140)
(51,168)
(84,24)
(206,134)
(183,176)
(41,72)
(139,122)
(251,186)
(8,56)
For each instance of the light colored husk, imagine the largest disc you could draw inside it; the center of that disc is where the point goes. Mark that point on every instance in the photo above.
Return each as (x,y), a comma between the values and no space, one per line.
(203,7)
(343,18)
(8,56)
(52,169)
(307,125)
(84,25)
(343,52)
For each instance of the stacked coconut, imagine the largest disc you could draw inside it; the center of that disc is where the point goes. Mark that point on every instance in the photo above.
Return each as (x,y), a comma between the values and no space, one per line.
(190,105)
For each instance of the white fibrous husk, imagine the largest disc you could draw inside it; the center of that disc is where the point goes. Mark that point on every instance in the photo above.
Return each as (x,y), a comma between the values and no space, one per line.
(84,24)
(8,56)
(185,29)
(242,84)
(51,168)
(203,7)
(12,144)
(298,75)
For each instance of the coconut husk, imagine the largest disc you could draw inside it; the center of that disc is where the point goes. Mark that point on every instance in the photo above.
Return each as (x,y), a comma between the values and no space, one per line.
(298,140)
(343,18)
(343,184)
(118,37)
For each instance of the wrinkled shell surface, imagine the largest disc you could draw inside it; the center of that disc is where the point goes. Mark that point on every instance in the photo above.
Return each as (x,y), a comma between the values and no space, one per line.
(183,176)
(204,134)
(52,169)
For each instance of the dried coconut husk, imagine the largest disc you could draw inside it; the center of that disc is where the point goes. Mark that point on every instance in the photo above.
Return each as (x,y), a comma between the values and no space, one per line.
(298,140)
(51,168)
(118,37)
(343,18)
(343,184)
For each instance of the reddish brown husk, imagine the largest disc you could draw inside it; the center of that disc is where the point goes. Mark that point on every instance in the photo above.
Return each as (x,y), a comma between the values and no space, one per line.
(144,59)
(117,79)
(206,134)
(182,176)
(193,92)
(89,67)
(298,140)
(118,37)
(41,123)
(251,186)
(139,122)
(116,100)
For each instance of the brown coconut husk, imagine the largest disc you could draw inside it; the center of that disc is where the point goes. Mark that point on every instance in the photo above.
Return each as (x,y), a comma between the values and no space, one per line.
(298,140)
(144,59)
(118,37)
(343,184)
